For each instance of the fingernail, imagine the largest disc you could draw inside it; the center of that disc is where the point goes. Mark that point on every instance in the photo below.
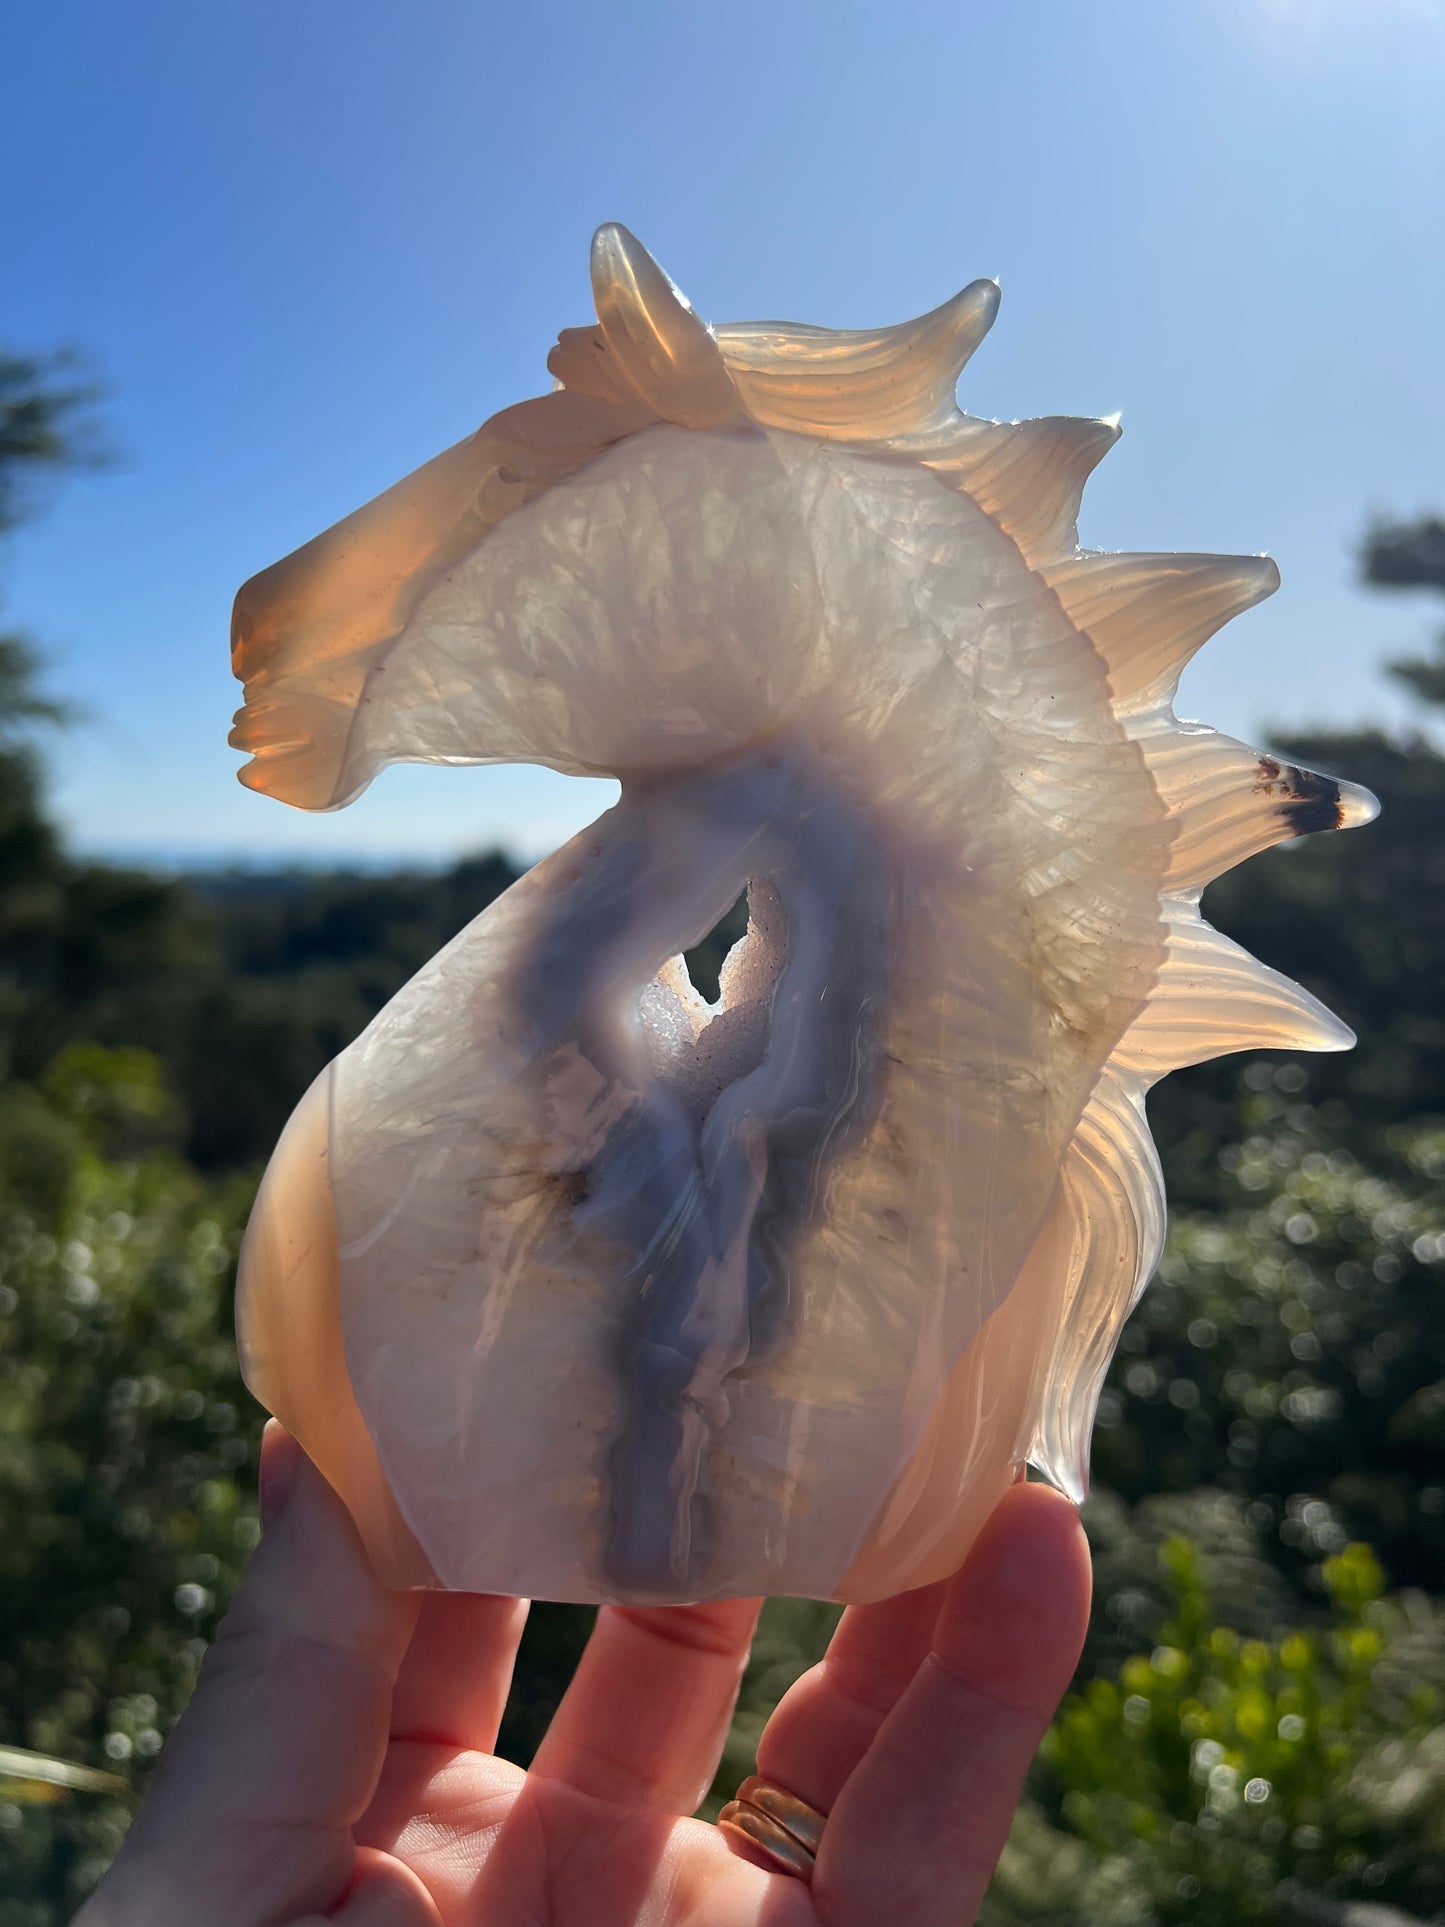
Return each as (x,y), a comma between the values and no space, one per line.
(280,1456)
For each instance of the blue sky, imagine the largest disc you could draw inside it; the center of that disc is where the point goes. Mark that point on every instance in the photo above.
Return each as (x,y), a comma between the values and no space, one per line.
(310,244)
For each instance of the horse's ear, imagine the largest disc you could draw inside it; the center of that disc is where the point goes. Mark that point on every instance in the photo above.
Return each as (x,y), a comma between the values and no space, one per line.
(663,350)
(861,384)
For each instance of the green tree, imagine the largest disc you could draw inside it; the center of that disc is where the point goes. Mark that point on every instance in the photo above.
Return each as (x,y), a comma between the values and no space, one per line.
(127,1465)
(47,427)
(1218,1781)
(44,432)
(77,941)
(1291,1350)
(1411,555)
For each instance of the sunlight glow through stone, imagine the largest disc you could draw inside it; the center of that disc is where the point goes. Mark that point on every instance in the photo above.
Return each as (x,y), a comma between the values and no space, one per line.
(580,1287)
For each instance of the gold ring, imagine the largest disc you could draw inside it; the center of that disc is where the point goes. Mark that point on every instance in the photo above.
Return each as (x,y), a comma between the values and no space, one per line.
(780,1825)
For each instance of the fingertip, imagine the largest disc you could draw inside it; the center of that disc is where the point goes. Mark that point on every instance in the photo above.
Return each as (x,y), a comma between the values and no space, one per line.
(1043,1512)
(1038,1524)
(918,1828)
(384,1892)
(310,1571)
(280,1457)
(1017,1612)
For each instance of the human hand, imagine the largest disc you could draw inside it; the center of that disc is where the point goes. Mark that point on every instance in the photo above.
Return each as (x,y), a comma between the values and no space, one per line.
(335,1763)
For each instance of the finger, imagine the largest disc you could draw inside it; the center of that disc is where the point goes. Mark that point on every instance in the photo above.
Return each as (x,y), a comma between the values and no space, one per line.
(452,1689)
(917,1830)
(384,1893)
(448,1703)
(643,1722)
(249,1819)
(827,1720)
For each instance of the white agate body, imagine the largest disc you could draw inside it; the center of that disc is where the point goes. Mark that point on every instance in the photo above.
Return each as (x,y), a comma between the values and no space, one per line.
(579,1287)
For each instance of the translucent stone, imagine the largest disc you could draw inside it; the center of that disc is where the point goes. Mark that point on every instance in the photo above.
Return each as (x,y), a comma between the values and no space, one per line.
(578,1286)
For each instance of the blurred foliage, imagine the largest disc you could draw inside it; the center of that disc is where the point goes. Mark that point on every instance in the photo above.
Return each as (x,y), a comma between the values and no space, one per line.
(1218,1779)
(1411,555)
(127,1464)
(47,426)
(1292,1349)
(1406,555)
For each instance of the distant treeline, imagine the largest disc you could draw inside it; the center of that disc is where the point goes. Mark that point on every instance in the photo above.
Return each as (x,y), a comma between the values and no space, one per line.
(246,984)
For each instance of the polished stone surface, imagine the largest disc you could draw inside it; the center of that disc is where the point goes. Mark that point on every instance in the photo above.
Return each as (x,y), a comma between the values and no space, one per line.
(580,1287)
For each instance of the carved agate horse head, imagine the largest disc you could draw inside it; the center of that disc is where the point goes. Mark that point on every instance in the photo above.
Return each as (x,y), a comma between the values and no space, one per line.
(577,1285)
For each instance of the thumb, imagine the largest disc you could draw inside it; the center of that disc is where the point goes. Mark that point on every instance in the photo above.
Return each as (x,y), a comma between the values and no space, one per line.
(249,1819)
